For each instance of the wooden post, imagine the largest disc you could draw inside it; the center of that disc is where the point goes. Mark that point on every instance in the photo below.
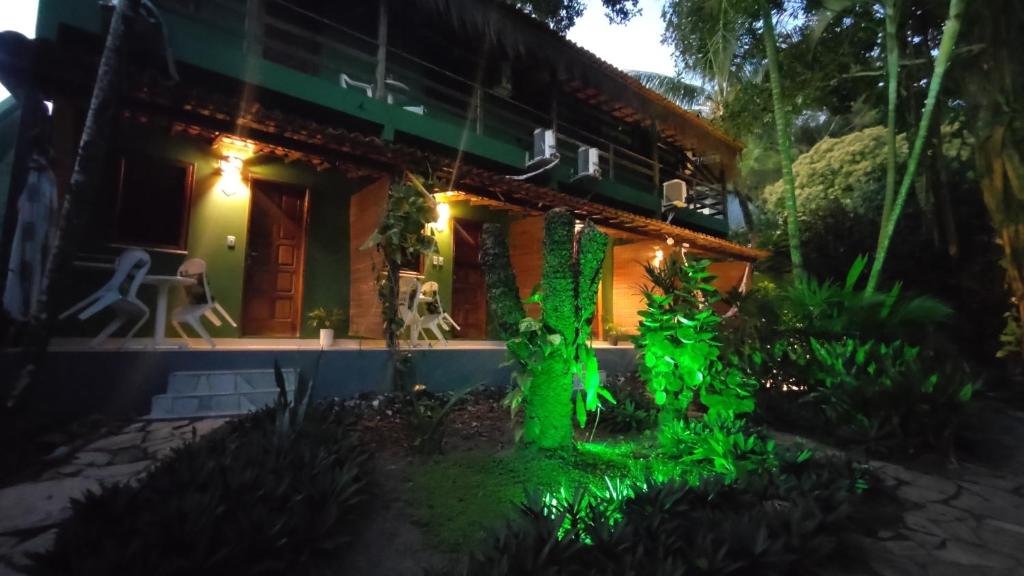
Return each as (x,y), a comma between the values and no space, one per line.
(611,162)
(380,90)
(725,195)
(656,159)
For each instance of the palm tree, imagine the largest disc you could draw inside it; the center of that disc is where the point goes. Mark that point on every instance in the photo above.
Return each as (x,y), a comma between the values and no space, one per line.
(709,36)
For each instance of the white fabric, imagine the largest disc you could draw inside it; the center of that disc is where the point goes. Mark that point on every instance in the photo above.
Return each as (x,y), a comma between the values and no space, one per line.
(33,240)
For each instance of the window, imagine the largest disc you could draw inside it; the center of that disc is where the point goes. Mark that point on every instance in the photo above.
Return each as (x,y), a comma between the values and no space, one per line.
(153,197)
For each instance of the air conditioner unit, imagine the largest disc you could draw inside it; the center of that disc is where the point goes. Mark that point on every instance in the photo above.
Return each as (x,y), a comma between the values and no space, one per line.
(674,194)
(545,149)
(588,163)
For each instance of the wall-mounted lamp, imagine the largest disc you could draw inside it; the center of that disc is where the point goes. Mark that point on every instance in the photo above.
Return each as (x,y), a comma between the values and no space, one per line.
(444,214)
(234,152)
(659,257)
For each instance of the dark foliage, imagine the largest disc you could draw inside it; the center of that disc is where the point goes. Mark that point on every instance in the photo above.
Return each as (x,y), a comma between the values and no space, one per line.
(782,523)
(634,409)
(243,500)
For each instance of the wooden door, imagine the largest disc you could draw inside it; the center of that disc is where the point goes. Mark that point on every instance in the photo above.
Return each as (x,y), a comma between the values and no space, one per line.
(469,293)
(272,296)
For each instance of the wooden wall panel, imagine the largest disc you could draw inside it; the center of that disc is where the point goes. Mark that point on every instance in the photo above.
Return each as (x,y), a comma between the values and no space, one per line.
(524,243)
(365,213)
(627,279)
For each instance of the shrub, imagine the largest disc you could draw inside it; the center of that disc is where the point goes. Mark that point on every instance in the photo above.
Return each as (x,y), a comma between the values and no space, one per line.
(680,362)
(857,367)
(882,393)
(633,410)
(243,500)
(779,523)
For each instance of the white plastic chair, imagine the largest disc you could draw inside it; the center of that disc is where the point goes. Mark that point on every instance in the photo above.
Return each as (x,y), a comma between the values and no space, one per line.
(435,320)
(200,303)
(119,294)
(408,306)
(347,82)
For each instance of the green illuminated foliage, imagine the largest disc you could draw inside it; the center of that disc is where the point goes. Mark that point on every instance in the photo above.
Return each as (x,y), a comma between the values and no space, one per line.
(553,350)
(679,349)
(778,523)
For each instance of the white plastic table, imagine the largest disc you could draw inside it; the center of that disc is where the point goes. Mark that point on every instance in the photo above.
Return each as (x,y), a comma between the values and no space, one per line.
(163,287)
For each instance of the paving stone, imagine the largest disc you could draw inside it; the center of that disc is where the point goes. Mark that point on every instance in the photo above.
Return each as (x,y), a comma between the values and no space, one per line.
(925,540)
(899,558)
(163,445)
(1003,537)
(69,469)
(59,453)
(134,427)
(118,442)
(203,427)
(117,473)
(129,455)
(974,556)
(20,554)
(989,502)
(978,475)
(6,543)
(166,425)
(40,504)
(92,458)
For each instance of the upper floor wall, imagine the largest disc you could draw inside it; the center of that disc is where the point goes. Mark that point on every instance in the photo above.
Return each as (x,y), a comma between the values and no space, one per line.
(420,77)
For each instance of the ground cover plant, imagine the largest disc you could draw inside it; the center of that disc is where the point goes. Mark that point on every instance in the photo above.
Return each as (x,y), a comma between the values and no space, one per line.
(786,522)
(278,491)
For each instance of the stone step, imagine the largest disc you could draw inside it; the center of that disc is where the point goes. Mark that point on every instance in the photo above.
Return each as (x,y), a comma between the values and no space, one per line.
(221,382)
(224,393)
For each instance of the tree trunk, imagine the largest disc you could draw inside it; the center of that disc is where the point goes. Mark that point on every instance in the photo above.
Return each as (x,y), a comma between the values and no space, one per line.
(548,406)
(79,199)
(785,146)
(1002,185)
(950,32)
(893,67)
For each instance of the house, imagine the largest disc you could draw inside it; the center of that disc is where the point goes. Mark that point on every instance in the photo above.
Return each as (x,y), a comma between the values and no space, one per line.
(272,155)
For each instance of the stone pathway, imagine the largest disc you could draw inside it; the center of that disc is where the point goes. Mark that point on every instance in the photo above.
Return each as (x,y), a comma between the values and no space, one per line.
(969,522)
(30,511)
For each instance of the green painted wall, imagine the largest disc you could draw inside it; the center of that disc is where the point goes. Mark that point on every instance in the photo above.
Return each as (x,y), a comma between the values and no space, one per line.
(215,215)
(442,274)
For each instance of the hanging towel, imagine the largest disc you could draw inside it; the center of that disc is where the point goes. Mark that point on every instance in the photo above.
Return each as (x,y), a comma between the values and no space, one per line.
(33,240)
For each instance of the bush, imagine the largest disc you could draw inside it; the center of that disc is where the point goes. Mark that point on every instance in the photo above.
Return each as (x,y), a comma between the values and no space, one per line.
(779,523)
(860,368)
(243,500)
(634,409)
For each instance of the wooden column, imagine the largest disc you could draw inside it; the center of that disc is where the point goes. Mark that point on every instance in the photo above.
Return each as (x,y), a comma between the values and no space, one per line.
(380,90)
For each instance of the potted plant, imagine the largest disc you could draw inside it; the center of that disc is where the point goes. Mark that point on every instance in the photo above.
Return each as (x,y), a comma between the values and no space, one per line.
(612,333)
(326,320)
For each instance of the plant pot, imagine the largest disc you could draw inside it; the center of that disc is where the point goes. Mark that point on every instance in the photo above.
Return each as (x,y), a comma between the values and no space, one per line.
(326,337)
(613,339)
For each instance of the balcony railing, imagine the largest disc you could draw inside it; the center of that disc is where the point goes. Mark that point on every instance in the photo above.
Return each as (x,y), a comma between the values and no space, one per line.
(280,32)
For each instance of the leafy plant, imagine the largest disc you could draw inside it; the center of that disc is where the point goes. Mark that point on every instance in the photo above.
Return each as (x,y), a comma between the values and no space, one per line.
(856,366)
(680,363)
(882,393)
(242,500)
(783,522)
(552,350)
(326,319)
(400,237)
(1012,338)
(428,418)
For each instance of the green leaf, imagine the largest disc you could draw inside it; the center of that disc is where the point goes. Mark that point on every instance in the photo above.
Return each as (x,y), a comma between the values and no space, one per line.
(581,411)
(965,393)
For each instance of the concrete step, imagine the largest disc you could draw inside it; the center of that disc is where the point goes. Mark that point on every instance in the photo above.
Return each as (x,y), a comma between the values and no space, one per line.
(226,381)
(223,393)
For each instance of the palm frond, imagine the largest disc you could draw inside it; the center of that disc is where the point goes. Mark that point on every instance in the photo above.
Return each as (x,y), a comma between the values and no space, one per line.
(684,94)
